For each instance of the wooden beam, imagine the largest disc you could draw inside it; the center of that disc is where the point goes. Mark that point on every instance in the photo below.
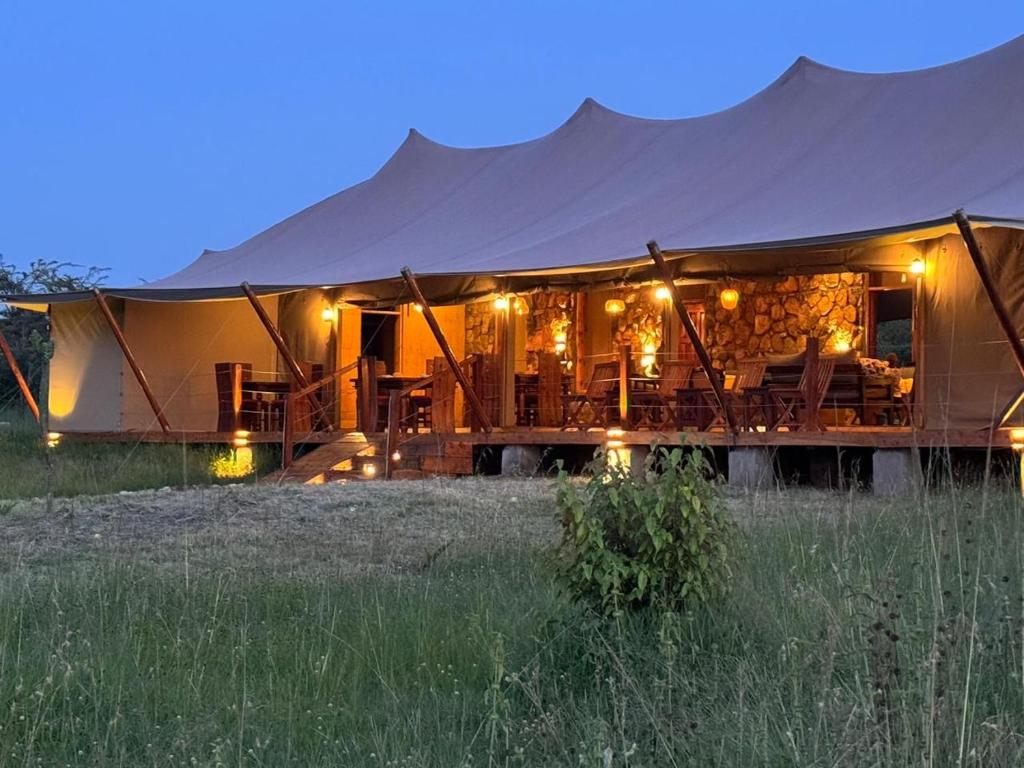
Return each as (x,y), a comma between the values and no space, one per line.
(101,300)
(26,393)
(695,339)
(625,357)
(812,355)
(1002,315)
(282,348)
(453,363)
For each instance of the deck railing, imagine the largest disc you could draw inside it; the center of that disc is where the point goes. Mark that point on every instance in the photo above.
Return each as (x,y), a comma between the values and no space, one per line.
(318,411)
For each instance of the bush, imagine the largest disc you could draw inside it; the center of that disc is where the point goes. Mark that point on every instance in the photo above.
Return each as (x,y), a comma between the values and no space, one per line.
(658,537)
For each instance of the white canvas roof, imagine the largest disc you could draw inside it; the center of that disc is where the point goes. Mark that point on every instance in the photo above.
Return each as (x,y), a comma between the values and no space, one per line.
(821,156)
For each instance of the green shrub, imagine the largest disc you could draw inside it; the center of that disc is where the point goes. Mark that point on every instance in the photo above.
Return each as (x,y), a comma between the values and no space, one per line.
(657,537)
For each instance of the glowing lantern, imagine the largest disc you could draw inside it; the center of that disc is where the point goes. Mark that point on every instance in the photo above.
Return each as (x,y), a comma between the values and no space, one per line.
(917,267)
(396,456)
(369,470)
(662,293)
(1017,439)
(53,439)
(729,297)
(615,306)
(501,303)
(418,307)
(327,314)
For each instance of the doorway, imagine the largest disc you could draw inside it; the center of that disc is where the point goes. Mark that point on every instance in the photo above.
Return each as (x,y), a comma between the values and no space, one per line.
(379,335)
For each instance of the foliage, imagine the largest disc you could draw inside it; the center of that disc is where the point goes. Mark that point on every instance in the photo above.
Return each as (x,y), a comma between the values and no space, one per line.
(27,331)
(632,539)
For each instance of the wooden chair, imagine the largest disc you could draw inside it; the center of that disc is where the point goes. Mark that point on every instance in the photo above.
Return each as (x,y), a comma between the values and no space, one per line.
(790,403)
(549,390)
(693,408)
(442,397)
(741,397)
(594,399)
(233,410)
(656,409)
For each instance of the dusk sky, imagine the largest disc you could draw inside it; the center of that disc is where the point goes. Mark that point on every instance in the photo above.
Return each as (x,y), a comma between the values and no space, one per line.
(134,135)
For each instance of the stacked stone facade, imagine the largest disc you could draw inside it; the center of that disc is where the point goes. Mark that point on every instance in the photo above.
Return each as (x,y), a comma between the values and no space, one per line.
(774,317)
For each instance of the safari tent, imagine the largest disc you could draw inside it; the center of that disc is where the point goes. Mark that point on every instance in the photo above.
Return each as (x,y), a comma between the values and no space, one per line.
(805,230)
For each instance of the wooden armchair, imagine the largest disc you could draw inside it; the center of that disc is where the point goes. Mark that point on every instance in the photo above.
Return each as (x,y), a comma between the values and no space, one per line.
(695,404)
(656,409)
(594,400)
(792,408)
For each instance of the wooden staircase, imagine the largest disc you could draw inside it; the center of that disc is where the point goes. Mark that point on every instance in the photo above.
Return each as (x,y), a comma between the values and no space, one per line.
(346,458)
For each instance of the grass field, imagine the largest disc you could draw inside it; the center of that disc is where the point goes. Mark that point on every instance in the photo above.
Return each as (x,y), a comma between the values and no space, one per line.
(77,468)
(418,624)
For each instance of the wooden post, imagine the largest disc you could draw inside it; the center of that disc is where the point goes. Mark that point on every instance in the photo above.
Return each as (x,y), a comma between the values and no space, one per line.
(505,353)
(625,357)
(1002,315)
(286,354)
(394,426)
(691,332)
(123,343)
(26,393)
(366,405)
(812,419)
(428,315)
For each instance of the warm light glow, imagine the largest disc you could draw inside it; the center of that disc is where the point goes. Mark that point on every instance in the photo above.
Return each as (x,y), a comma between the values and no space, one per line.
(327,314)
(842,340)
(560,338)
(501,303)
(396,456)
(369,470)
(1017,439)
(729,297)
(559,347)
(614,444)
(647,363)
(418,307)
(615,433)
(240,442)
(234,465)
(662,293)
(917,267)
(615,306)
(52,439)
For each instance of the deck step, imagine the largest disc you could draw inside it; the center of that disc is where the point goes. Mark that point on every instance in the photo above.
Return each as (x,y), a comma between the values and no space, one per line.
(328,462)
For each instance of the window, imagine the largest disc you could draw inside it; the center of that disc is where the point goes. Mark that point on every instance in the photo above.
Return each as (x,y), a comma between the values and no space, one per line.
(891,321)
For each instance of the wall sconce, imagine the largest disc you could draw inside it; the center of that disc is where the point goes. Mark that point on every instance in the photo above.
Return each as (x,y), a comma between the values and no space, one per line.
(917,267)
(615,306)
(327,314)
(729,298)
(662,293)
(561,341)
(417,307)
(501,303)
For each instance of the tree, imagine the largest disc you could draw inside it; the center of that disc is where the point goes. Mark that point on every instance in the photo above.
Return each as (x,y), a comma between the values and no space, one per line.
(26,331)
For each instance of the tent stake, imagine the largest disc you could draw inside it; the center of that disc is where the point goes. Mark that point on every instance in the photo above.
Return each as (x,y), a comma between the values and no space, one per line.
(428,315)
(286,354)
(30,401)
(974,249)
(123,343)
(691,331)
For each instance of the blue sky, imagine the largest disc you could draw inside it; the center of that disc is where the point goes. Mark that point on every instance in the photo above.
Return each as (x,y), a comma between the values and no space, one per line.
(133,135)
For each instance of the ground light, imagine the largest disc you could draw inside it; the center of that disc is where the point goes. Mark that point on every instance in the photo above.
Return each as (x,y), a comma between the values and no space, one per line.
(237,463)
(53,439)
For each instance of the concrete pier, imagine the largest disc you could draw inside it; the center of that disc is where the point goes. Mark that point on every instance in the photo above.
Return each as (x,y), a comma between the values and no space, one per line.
(751,468)
(895,471)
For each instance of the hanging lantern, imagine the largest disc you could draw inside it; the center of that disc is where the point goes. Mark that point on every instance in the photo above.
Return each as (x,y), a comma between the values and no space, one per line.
(729,297)
(662,293)
(327,314)
(917,267)
(615,306)
(501,303)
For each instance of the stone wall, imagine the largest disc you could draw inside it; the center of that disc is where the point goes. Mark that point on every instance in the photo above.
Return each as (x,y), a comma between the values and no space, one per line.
(550,313)
(641,325)
(774,317)
(479,328)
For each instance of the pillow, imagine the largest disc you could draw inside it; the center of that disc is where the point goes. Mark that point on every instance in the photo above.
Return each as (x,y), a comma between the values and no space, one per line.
(796,358)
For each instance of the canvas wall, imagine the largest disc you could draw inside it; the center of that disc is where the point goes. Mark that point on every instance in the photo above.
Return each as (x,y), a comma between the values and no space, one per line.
(85,372)
(177,344)
(970,372)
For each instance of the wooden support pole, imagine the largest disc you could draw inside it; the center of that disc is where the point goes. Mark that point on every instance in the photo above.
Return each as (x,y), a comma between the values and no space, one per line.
(1002,315)
(625,356)
(282,348)
(812,356)
(26,393)
(428,315)
(101,300)
(691,332)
